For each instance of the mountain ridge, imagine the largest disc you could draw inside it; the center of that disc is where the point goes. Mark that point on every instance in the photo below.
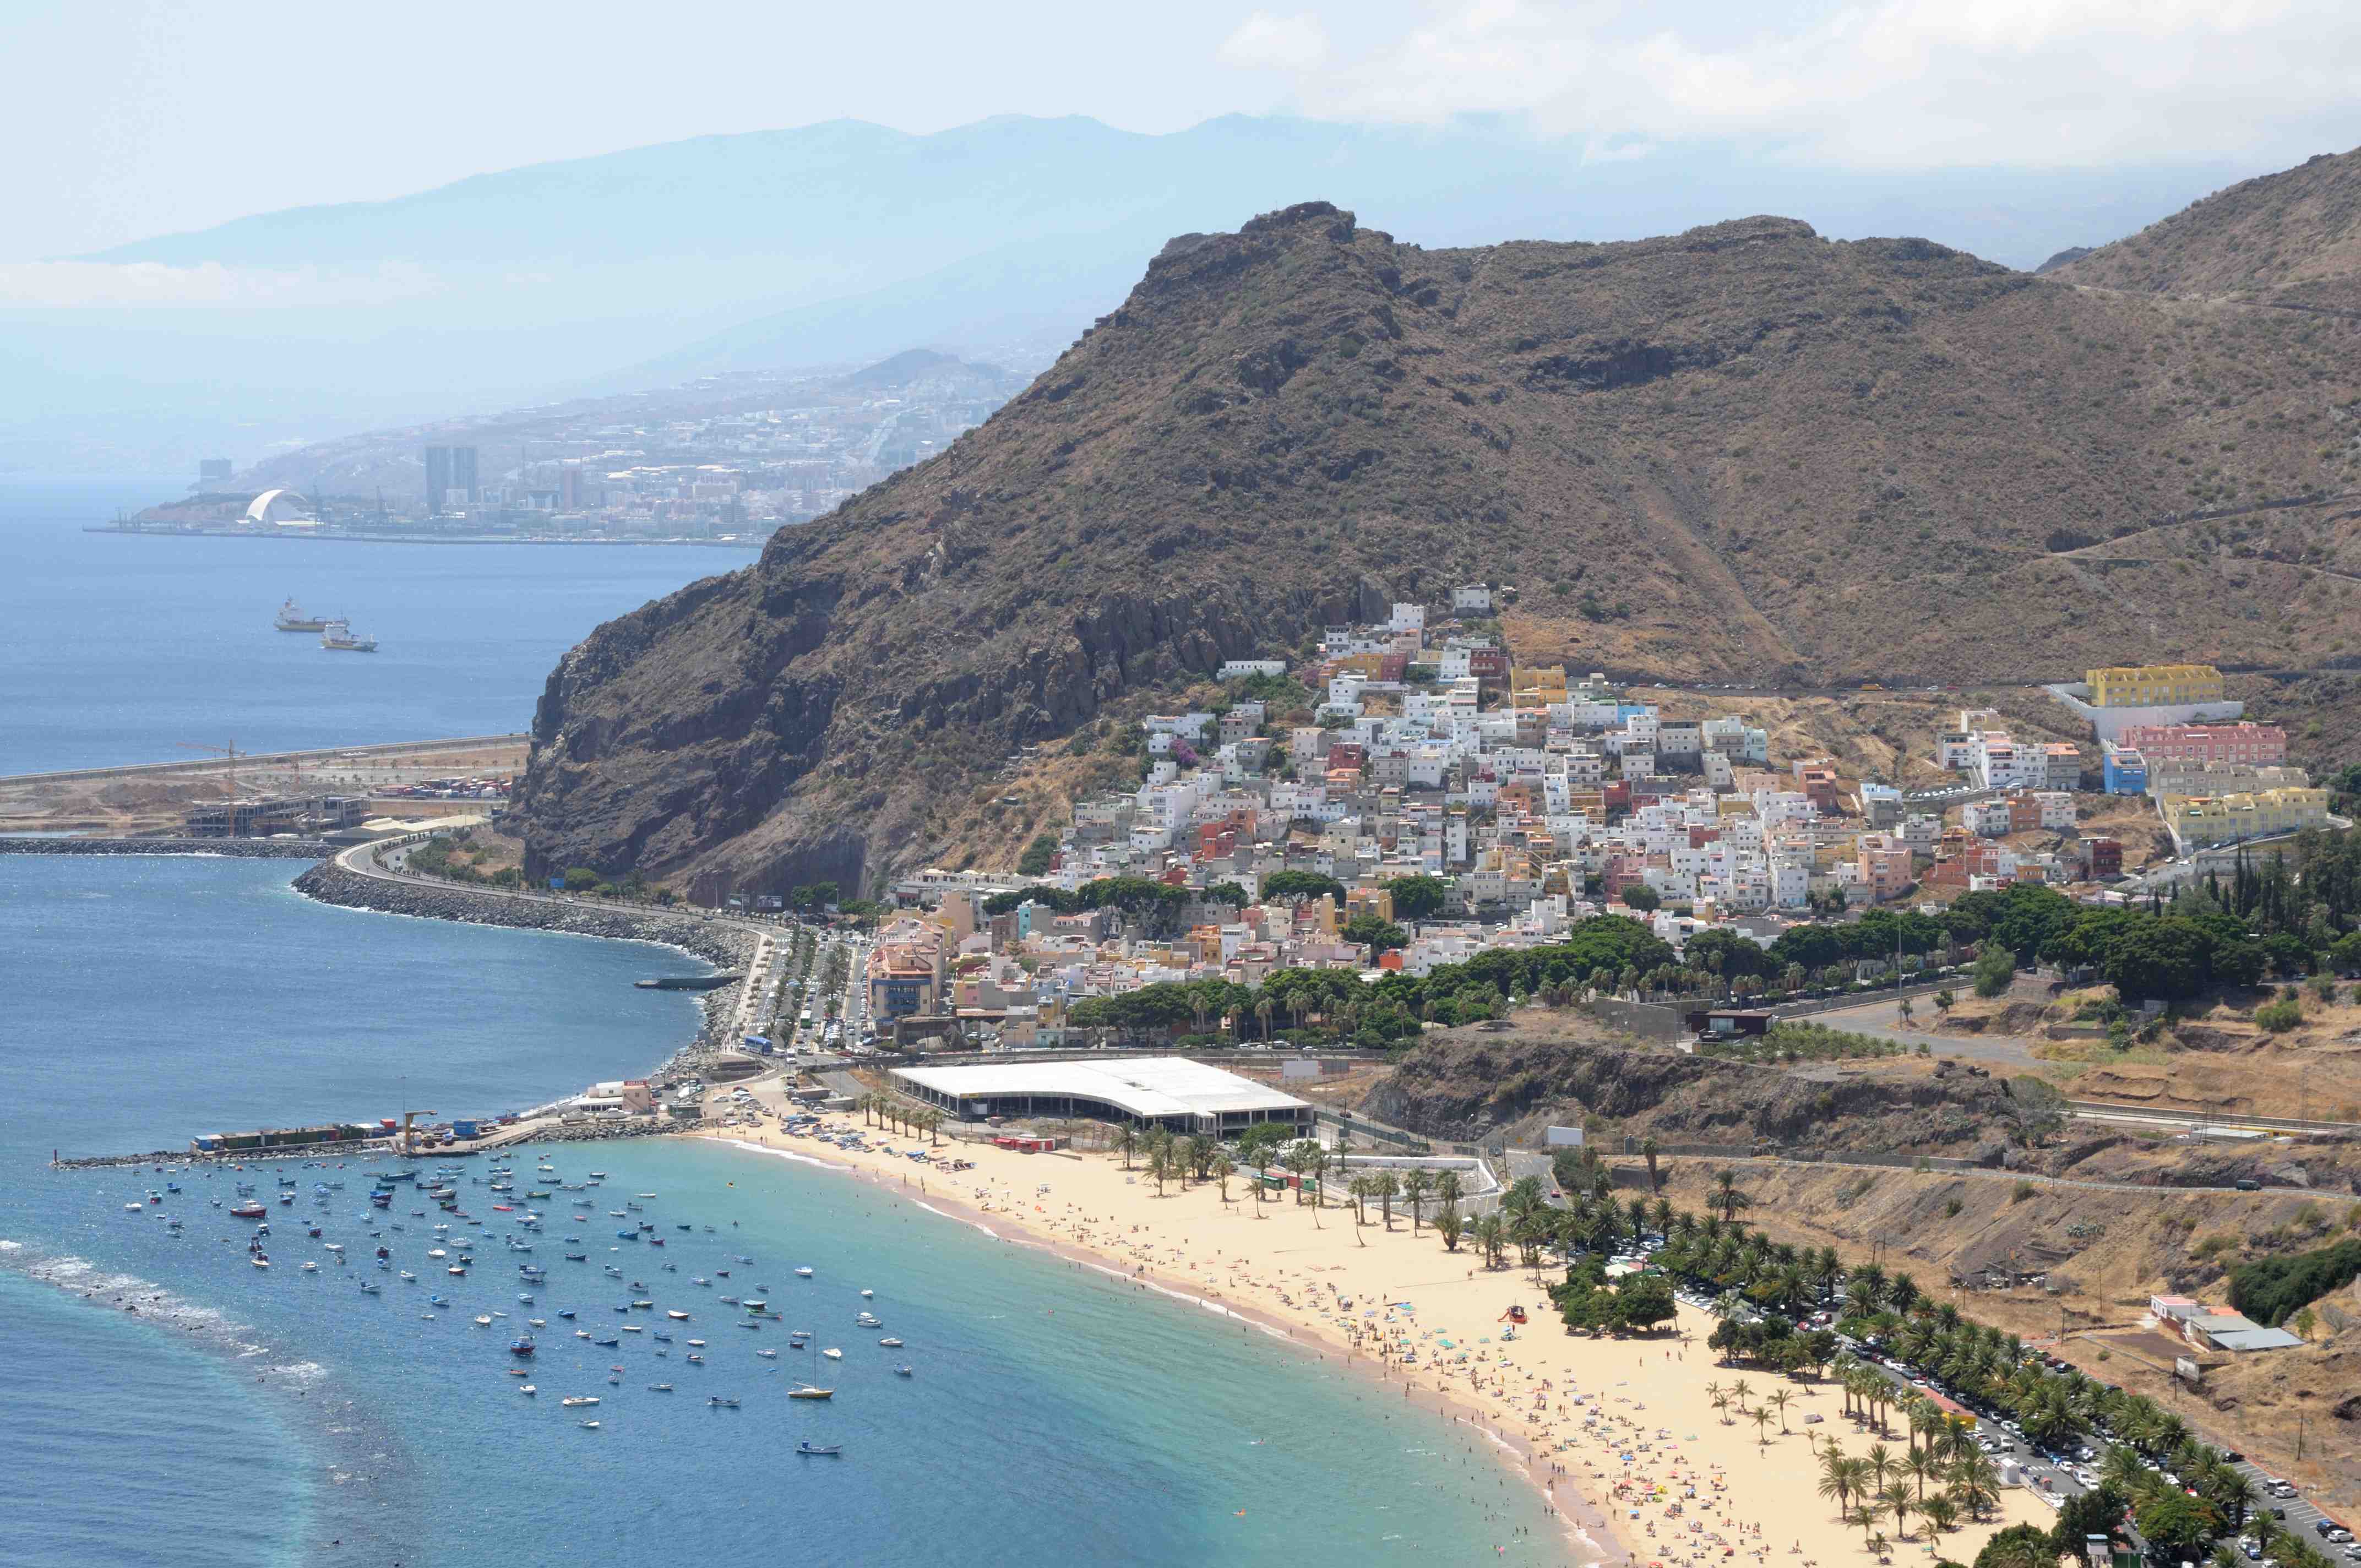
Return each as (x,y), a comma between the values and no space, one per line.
(1738,452)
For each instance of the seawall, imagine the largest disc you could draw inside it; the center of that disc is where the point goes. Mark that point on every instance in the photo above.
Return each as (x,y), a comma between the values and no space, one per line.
(723,945)
(228,848)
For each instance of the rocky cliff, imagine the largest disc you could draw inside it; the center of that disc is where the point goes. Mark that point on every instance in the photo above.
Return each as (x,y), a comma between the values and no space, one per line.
(1743,453)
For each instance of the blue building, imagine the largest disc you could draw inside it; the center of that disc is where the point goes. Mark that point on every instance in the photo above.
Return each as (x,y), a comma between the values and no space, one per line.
(2126,771)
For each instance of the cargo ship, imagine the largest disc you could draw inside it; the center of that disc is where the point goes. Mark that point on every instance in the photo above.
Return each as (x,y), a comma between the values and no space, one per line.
(339,637)
(293,618)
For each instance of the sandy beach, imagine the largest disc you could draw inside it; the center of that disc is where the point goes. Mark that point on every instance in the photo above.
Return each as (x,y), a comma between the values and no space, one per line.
(1619,1434)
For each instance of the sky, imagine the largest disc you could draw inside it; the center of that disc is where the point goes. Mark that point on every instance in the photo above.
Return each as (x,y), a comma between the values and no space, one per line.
(139,117)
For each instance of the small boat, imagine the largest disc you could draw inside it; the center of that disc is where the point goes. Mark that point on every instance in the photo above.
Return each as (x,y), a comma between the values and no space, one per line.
(868,1295)
(676,1317)
(808,1392)
(521,1345)
(565,1312)
(609,1342)
(833,1353)
(310,1267)
(411,1277)
(753,1305)
(724,1404)
(768,1354)
(659,1388)
(249,1210)
(370,1287)
(260,1261)
(823,1450)
(697,1345)
(890,1343)
(903,1370)
(869,1320)
(696,1359)
(577,1258)
(527,1388)
(574,1399)
(437,1302)
(806,1274)
(587,1426)
(482,1321)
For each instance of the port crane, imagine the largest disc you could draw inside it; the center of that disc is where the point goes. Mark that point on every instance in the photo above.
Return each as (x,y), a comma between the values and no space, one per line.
(405,1146)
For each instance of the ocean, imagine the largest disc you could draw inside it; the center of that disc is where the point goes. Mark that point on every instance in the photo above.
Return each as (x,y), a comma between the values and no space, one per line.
(243,1415)
(116,648)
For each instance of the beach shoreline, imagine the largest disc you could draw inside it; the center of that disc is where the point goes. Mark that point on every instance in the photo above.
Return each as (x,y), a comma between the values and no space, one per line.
(1584,1527)
(1645,1457)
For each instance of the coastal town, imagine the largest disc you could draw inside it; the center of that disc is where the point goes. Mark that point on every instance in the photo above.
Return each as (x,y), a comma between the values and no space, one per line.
(1412,797)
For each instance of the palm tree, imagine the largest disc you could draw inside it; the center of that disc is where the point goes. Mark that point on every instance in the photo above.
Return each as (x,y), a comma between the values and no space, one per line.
(1415,1187)
(1726,1194)
(1738,1390)
(1126,1140)
(1222,1168)
(1387,1185)
(1648,1153)
(1761,1416)
(1975,1484)
(1262,1013)
(1721,1403)
(1446,1197)
(1880,1545)
(1836,1477)
(1920,1464)
(1492,1235)
(1940,1514)
(1898,1502)
(1361,1187)
(1881,1464)
(1159,1165)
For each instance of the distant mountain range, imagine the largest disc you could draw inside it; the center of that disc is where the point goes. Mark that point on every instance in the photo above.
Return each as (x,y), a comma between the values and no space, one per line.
(840,242)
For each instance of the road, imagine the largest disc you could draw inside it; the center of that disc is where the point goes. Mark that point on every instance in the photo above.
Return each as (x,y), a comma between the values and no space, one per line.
(270,759)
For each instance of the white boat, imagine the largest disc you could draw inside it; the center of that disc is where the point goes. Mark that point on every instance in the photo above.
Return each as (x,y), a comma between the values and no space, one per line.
(659,1388)
(371,1286)
(869,1320)
(411,1277)
(833,1353)
(890,1343)
(310,1267)
(587,1426)
(768,1354)
(574,1399)
(725,1404)
(868,1295)
(804,1273)
(482,1321)
(527,1388)
(677,1317)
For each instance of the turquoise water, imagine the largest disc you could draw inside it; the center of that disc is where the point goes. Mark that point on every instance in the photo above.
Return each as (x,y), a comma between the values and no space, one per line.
(244,1416)
(112,647)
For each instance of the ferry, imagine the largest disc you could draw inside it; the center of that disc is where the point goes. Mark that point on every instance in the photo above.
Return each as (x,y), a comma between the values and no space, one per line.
(293,618)
(338,636)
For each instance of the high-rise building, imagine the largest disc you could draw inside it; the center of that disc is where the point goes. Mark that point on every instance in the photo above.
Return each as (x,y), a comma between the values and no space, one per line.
(569,488)
(451,474)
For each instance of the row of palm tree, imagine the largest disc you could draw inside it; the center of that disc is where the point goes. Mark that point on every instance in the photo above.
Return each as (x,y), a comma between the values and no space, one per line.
(893,1110)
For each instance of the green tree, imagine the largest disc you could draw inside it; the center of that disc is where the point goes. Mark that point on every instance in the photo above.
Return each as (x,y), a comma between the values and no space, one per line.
(1639,895)
(1416,897)
(2017,1546)
(1038,855)
(1995,970)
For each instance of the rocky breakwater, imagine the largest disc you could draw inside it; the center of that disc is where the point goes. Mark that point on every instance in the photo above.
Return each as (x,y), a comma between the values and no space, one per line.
(231,849)
(716,942)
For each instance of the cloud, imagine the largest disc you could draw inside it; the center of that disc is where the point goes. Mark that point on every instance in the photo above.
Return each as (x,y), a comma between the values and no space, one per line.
(1265,42)
(70,285)
(1901,83)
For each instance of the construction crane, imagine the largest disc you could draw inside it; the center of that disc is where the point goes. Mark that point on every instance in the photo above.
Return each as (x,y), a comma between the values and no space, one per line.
(230,752)
(404,1147)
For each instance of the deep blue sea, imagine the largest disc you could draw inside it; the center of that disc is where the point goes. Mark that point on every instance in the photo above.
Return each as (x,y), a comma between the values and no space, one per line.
(115,647)
(248,1417)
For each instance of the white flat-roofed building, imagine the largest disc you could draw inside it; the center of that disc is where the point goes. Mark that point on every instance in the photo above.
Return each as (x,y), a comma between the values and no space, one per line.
(1187,1096)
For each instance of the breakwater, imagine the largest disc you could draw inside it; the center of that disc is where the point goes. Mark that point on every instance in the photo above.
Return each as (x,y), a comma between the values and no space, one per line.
(714,941)
(228,848)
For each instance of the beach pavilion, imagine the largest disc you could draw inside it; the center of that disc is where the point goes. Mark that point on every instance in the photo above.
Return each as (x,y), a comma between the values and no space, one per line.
(1171,1092)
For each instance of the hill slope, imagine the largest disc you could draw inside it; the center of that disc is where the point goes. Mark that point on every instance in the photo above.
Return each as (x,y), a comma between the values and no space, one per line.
(1742,453)
(2293,237)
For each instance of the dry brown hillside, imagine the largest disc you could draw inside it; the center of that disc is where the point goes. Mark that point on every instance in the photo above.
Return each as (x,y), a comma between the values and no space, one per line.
(2293,239)
(1740,454)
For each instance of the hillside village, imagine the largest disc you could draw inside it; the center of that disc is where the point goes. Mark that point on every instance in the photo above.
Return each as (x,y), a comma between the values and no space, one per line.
(1409,797)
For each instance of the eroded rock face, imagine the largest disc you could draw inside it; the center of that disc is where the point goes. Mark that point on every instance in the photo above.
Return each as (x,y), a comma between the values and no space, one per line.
(1464,1087)
(1742,453)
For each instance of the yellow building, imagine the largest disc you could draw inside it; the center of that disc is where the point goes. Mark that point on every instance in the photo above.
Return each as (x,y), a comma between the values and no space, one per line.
(2154,685)
(1374,901)
(2200,821)
(1537,686)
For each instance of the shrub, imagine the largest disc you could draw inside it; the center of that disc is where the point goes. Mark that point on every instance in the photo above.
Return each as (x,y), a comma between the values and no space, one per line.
(2279,1017)
(1951,1208)
(2020,1192)
(2270,1289)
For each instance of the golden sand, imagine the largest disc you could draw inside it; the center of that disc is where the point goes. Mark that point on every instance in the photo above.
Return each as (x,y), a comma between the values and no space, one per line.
(1621,1434)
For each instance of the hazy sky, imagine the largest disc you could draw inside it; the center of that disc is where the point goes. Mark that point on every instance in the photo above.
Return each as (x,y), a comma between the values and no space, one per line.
(127,118)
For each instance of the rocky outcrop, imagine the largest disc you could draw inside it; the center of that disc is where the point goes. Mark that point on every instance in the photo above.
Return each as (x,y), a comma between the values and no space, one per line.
(1464,1088)
(1742,453)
